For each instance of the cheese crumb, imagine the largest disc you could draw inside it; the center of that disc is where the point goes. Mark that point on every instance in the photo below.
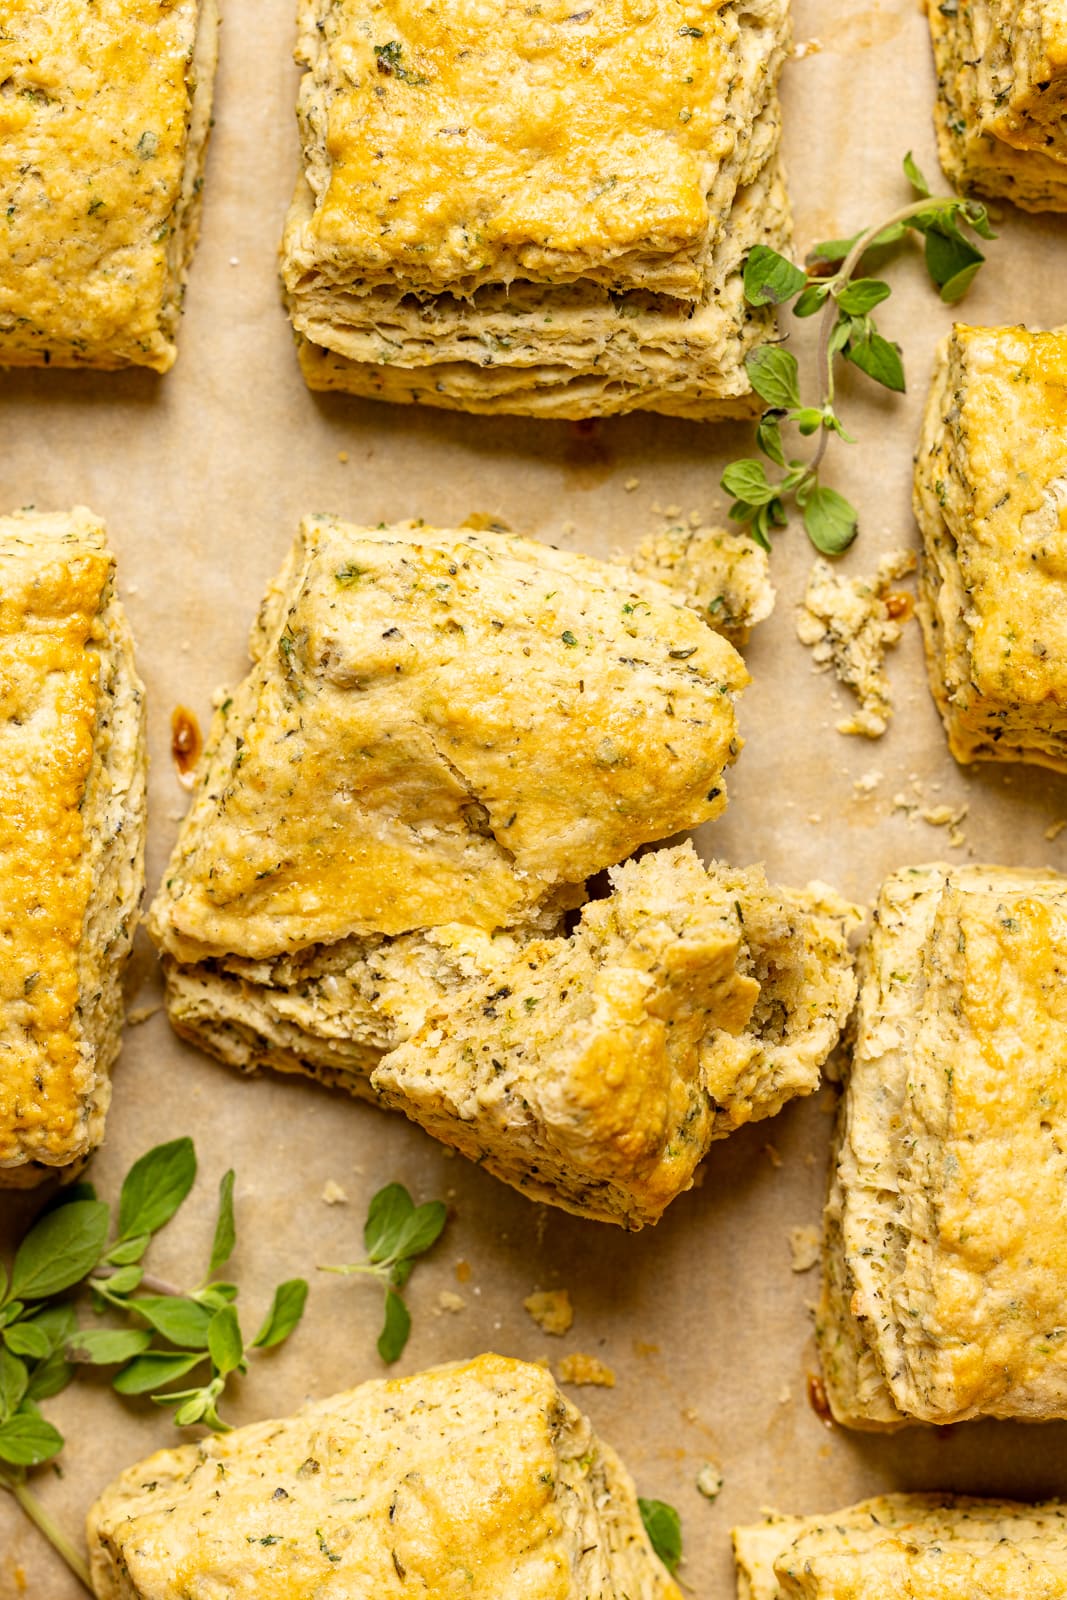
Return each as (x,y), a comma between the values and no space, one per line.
(333,1194)
(710,1481)
(579,1369)
(804,1248)
(551,1309)
(849,624)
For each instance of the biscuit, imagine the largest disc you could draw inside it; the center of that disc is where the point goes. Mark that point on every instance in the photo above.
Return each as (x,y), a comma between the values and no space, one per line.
(938,1546)
(477,1478)
(590,1070)
(568,239)
(72,823)
(443,726)
(1002,98)
(443,736)
(104,123)
(991,502)
(945,1258)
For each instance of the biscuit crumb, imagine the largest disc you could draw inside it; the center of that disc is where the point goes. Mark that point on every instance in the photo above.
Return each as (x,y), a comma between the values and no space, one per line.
(579,1369)
(720,574)
(1054,829)
(849,624)
(333,1194)
(142,1013)
(804,1248)
(710,1481)
(631,484)
(869,781)
(551,1309)
(449,1300)
(805,48)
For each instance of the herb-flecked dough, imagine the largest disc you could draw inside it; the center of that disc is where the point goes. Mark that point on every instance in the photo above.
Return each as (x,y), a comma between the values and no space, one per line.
(72,825)
(104,122)
(477,1479)
(543,211)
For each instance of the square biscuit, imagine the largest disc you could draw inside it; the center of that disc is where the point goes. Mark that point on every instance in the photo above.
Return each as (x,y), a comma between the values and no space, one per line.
(104,122)
(939,1547)
(945,1260)
(1001,113)
(72,820)
(991,502)
(538,211)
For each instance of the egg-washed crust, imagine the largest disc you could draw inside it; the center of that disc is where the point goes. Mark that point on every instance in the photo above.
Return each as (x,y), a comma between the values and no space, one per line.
(991,502)
(908,1547)
(103,133)
(441,726)
(448,150)
(945,1255)
(1001,113)
(573,351)
(721,573)
(72,824)
(489,269)
(591,1071)
(477,1479)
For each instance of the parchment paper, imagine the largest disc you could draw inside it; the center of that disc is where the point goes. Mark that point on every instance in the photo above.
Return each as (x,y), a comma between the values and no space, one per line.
(202,477)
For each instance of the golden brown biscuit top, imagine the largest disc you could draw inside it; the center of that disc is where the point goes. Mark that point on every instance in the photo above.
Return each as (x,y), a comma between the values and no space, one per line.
(988,1255)
(50,593)
(93,132)
(442,726)
(1013,554)
(478,143)
(453,1482)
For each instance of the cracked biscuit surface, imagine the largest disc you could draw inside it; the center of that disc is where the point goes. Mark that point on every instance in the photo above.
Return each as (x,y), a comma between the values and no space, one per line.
(104,120)
(72,820)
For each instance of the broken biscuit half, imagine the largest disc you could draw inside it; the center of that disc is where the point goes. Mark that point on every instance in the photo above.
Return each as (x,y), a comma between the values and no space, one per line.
(382,878)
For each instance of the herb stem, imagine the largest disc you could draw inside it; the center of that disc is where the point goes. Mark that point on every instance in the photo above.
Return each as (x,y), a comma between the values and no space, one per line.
(149,1281)
(828,322)
(46,1524)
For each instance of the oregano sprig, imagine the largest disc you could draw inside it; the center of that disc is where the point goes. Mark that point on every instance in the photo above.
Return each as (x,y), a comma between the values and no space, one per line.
(166,1335)
(395,1234)
(832,286)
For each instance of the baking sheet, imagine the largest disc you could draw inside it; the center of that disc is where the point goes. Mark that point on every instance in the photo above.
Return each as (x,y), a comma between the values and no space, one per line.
(202,477)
